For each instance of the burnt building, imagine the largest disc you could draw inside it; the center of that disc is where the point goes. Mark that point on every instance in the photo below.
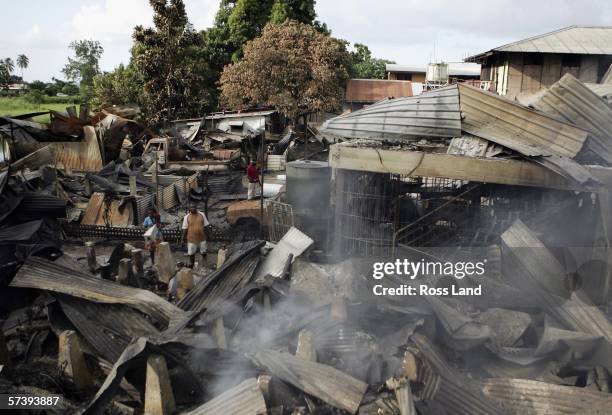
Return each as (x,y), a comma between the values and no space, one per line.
(527,65)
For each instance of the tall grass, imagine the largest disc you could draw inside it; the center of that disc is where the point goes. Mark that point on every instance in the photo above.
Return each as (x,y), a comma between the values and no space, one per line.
(19,105)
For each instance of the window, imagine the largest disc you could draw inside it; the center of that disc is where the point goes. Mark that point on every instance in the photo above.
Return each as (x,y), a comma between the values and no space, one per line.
(533,59)
(572,61)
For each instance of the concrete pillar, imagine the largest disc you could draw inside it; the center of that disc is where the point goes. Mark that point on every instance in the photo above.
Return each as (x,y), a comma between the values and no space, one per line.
(125,274)
(410,368)
(164,262)
(221,257)
(403,395)
(338,308)
(92,261)
(138,260)
(185,282)
(219,333)
(159,399)
(132,185)
(305,347)
(5,357)
(72,361)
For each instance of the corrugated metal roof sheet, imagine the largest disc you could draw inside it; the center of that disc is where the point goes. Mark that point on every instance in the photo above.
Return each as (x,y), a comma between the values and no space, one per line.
(592,40)
(602,90)
(242,114)
(107,327)
(244,399)
(45,275)
(531,397)
(538,271)
(321,381)
(454,68)
(294,242)
(94,213)
(19,233)
(512,125)
(435,114)
(80,155)
(449,388)
(570,100)
(372,90)
(607,77)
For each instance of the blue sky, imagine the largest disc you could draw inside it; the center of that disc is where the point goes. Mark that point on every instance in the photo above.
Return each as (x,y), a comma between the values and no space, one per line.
(402,30)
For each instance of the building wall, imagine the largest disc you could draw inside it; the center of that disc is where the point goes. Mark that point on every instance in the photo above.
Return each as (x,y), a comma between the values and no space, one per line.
(524,73)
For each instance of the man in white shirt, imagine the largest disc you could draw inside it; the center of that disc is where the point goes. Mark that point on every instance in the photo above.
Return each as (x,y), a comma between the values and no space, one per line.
(194,234)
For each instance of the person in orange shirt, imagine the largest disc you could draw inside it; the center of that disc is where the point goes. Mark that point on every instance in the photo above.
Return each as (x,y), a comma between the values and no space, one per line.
(194,233)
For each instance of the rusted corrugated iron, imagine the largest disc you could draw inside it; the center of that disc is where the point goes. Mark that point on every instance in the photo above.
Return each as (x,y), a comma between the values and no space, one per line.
(80,155)
(372,90)
(118,214)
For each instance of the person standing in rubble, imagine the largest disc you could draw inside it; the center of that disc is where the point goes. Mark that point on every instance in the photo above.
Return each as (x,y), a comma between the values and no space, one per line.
(153,237)
(253,178)
(194,233)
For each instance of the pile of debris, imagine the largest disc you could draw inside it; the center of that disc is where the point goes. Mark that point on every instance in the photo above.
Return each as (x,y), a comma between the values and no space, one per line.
(265,326)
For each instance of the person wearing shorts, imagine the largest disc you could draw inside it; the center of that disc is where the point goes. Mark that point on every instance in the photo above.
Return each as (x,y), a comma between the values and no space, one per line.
(194,233)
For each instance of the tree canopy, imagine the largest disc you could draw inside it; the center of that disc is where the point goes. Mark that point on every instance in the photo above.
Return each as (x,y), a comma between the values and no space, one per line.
(85,65)
(169,58)
(364,66)
(291,67)
(122,86)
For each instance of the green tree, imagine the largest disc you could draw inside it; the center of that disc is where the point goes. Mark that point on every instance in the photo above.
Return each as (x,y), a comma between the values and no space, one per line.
(302,11)
(364,66)
(124,85)
(246,21)
(291,67)
(37,86)
(22,61)
(84,66)
(279,12)
(6,72)
(238,21)
(169,57)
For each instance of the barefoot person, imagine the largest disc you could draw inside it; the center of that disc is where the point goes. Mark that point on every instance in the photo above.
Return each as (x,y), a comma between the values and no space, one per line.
(195,234)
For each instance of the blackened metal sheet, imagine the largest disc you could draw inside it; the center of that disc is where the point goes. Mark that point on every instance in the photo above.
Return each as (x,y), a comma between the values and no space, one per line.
(107,327)
(45,275)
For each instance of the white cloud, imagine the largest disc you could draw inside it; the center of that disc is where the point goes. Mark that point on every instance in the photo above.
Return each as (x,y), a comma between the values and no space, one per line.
(110,22)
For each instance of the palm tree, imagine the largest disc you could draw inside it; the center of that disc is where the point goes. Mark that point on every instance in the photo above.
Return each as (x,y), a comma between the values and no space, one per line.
(9,65)
(22,62)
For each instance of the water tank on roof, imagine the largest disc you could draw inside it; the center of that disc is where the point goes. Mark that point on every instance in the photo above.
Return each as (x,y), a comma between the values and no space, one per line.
(308,186)
(308,191)
(437,73)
